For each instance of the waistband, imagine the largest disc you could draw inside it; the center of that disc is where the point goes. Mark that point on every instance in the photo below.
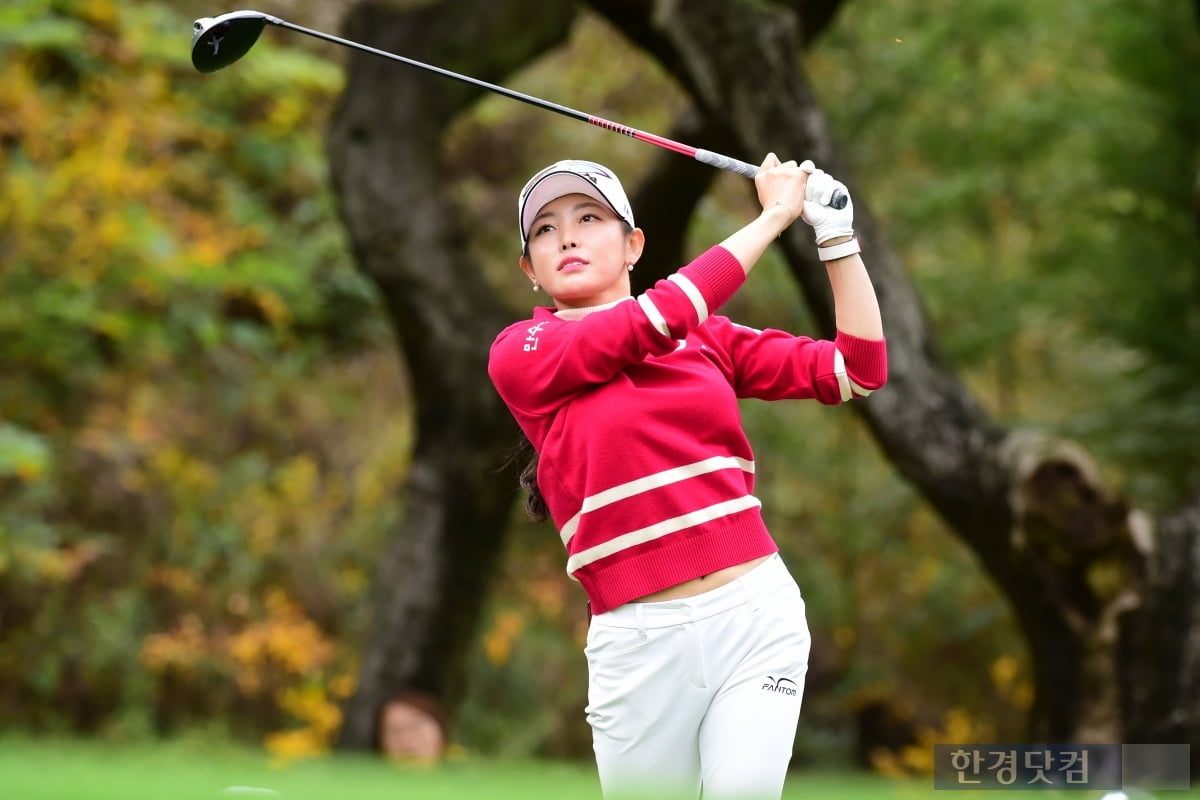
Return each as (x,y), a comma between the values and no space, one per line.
(768,576)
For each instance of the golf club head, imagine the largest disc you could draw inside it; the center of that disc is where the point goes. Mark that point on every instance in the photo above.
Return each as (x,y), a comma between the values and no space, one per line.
(219,41)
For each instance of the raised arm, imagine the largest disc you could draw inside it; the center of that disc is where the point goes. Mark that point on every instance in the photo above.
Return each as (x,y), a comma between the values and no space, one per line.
(780,187)
(856,309)
(786,190)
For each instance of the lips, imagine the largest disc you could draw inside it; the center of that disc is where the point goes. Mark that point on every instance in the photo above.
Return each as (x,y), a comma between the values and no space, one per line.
(570,263)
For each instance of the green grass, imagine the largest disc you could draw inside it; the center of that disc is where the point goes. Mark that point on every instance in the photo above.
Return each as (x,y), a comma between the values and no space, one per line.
(33,769)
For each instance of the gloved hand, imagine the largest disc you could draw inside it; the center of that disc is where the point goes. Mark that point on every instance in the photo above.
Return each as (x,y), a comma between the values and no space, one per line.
(827,222)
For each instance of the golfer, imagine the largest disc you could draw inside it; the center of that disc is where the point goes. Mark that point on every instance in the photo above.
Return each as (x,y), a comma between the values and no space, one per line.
(698,644)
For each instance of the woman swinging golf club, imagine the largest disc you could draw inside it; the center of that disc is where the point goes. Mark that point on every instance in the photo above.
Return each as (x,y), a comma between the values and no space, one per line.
(698,647)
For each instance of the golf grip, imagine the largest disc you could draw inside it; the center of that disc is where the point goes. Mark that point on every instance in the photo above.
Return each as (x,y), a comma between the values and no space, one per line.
(838,200)
(725,162)
(742,168)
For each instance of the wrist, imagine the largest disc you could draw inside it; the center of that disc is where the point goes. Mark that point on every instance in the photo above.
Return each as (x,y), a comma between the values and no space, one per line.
(778,216)
(831,251)
(791,213)
(832,233)
(835,240)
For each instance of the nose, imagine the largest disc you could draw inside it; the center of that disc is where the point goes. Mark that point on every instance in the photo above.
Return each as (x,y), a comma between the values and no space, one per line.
(567,238)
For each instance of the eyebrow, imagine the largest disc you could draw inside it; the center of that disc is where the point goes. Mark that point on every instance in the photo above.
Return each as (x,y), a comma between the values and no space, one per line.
(574,208)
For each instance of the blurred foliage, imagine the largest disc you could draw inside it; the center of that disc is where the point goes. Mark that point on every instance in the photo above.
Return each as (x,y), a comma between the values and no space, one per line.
(204,423)
(189,507)
(1035,164)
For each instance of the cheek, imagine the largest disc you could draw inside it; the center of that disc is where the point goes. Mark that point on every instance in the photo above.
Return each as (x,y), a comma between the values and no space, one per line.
(541,256)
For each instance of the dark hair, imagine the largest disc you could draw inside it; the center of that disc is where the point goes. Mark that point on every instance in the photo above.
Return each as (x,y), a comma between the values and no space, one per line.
(535,504)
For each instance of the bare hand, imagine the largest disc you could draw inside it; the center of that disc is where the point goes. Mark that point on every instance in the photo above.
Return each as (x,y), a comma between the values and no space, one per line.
(781,183)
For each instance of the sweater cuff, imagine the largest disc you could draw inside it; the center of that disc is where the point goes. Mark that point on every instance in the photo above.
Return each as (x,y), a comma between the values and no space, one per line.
(717,274)
(866,359)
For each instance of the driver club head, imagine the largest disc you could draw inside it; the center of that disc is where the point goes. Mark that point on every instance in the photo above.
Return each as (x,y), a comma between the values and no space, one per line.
(219,41)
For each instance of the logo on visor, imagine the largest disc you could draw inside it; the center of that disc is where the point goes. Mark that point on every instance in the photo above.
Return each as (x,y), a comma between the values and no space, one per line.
(593,176)
(583,170)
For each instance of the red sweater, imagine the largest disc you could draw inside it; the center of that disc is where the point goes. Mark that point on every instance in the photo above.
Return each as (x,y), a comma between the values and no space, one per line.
(633,411)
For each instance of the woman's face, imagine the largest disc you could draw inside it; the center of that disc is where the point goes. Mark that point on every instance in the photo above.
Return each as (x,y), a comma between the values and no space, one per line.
(579,252)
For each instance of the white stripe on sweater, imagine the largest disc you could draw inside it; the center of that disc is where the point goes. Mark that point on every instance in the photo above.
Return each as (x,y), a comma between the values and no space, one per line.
(660,529)
(848,388)
(654,315)
(667,477)
(693,294)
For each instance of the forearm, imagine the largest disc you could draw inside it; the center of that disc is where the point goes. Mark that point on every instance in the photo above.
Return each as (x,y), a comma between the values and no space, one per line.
(749,243)
(856,308)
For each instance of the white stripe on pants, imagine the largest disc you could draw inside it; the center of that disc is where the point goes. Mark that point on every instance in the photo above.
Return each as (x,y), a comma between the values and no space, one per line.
(700,693)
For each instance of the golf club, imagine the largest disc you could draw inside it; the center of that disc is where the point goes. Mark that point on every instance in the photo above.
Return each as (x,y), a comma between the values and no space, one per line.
(219,41)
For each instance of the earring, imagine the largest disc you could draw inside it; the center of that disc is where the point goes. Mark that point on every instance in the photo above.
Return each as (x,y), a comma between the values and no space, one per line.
(535,286)
(629,266)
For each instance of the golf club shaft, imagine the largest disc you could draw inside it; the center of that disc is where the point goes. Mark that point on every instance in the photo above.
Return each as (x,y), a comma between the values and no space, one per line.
(704,156)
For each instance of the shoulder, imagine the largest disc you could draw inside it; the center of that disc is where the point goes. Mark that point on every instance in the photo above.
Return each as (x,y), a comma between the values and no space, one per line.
(541,319)
(510,348)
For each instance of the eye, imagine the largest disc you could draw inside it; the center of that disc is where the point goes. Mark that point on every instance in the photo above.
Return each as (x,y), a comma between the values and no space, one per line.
(540,229)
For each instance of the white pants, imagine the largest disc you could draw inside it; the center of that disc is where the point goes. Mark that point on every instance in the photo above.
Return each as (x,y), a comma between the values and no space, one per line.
(702,693)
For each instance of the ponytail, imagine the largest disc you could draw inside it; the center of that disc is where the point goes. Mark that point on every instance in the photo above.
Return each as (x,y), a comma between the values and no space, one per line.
(535,504)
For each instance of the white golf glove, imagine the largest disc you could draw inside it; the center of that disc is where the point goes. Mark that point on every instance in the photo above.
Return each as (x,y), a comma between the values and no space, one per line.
(827,222)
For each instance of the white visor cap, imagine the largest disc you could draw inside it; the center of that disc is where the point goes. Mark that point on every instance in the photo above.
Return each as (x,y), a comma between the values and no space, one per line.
(571,177)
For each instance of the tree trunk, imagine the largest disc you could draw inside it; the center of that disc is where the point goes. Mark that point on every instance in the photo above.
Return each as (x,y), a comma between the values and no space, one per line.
(383,146)
(1160,680)
(1106,597)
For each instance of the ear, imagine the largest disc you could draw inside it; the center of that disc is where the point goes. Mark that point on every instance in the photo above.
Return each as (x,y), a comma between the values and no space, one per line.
(635,242)
(527,268)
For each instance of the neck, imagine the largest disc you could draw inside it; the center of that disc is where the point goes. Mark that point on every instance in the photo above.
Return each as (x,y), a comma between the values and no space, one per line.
(580,313)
